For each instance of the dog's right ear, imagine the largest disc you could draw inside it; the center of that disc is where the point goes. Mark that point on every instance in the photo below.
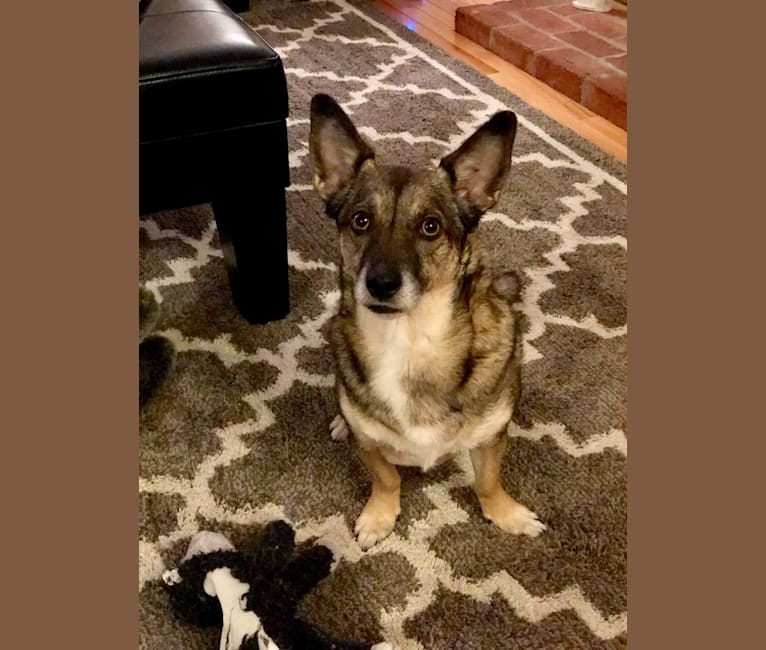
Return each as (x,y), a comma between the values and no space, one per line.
(337,150)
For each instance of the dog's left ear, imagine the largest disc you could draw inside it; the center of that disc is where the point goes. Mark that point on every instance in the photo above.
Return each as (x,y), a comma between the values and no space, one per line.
(478,167)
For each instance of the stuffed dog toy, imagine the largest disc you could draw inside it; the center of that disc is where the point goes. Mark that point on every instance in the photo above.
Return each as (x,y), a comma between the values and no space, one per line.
(253,595)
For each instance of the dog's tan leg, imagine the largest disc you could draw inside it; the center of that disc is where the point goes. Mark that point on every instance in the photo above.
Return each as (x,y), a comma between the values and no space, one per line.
(379,515)
(496,504)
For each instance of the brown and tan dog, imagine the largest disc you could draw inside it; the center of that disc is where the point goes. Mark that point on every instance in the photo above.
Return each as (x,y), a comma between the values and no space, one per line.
(426,343)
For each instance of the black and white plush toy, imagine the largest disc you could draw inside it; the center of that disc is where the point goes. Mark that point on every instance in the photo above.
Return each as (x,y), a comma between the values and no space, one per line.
(254,594)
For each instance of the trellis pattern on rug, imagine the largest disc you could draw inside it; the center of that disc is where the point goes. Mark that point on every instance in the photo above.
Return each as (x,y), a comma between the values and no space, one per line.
(248,407)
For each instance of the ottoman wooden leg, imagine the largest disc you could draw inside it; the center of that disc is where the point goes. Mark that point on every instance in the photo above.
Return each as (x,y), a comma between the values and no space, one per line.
(252,227)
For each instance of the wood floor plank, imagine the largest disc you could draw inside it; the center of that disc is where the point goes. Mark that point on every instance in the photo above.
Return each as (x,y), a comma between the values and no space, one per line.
(446,44)
(419,13)
(445,17)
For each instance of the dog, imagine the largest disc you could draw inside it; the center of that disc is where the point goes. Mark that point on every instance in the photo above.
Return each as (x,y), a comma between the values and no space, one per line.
(426,344)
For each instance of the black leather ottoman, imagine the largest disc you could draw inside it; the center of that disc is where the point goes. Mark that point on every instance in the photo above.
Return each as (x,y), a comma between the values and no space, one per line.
(212,126)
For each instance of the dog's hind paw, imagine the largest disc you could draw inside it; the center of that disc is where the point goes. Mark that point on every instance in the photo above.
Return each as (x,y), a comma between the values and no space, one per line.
(339,429)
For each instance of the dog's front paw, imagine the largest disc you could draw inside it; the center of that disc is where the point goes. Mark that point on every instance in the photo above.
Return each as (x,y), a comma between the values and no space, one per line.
(376,521)
(512,517)
(339,429)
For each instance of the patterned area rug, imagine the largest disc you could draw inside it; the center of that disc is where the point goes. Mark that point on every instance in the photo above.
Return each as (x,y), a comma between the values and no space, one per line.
(238,434)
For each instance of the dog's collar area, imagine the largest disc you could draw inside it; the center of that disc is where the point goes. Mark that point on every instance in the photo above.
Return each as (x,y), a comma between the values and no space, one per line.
(383,309)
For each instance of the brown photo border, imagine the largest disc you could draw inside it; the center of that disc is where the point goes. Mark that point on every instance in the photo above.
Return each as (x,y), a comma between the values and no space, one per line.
(691,577)
(70,459)
(71,504)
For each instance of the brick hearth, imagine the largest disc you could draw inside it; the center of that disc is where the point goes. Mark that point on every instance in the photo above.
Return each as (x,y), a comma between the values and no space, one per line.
(582,54)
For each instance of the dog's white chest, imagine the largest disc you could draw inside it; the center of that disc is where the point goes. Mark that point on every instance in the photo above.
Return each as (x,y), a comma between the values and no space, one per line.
(415,345)
(412,346)
(401,355)
(403,347)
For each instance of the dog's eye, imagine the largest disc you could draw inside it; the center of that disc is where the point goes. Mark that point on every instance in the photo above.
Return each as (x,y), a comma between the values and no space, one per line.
(430,227)
(360,221)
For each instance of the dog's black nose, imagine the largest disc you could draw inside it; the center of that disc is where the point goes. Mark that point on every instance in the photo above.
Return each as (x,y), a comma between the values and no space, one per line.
(383,280)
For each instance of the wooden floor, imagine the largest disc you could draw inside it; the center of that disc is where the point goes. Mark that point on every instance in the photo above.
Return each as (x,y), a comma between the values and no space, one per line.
(435,21)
